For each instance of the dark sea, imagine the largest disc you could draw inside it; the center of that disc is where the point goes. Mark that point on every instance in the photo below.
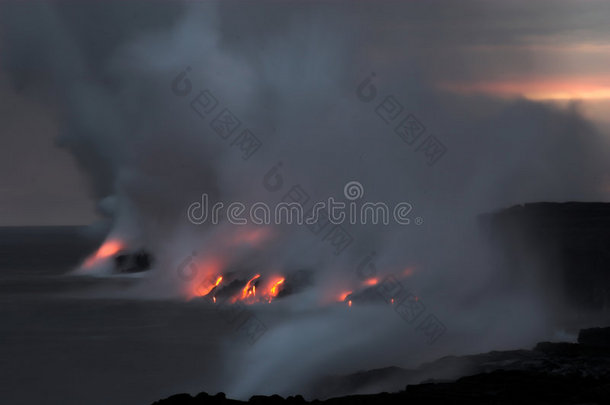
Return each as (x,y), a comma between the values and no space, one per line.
(61,343)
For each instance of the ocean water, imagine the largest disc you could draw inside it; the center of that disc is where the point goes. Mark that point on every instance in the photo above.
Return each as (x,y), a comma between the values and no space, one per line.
(59,344)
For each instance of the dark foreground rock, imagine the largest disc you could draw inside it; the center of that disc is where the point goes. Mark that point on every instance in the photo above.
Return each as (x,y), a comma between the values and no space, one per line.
(551,373)
(498,387)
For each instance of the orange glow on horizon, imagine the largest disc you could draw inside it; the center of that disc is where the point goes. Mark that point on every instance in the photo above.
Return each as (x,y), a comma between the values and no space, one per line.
(559,88)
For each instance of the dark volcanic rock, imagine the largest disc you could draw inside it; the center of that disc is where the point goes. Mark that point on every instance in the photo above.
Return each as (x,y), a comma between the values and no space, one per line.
(595,337)
(562,247)
(133,262)
(498,387)
(551,373)
(511,387)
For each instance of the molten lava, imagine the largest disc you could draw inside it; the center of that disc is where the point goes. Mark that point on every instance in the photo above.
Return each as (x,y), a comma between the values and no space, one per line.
(266,293)
(344,295)
(109,248)
(205,290)
(275,288)
(205,275)
(250,288)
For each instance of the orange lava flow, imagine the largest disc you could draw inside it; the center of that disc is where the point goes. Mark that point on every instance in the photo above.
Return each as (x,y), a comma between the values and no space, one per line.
(207,289)
(207,275)
(267,292)
(108,249)
(250,289)
(275,288)
(344,295)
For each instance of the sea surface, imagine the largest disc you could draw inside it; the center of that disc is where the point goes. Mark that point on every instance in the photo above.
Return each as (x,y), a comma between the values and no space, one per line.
(60,343)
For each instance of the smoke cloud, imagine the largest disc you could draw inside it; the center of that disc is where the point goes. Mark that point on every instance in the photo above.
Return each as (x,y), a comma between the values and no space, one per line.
(127,81)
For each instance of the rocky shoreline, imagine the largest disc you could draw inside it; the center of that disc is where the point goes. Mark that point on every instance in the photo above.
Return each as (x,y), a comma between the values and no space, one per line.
(550,373)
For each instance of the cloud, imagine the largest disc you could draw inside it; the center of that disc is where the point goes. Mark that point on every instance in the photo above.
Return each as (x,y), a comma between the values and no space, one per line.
(289,73)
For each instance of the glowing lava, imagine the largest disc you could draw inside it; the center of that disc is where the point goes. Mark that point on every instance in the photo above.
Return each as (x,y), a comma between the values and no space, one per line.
(250,289)
(109,248)
(275,288)
(202,292)
(204,275)
(344,295)
(267,293)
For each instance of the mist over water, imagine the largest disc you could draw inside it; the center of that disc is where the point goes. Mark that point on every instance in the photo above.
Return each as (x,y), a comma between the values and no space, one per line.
(291,74)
